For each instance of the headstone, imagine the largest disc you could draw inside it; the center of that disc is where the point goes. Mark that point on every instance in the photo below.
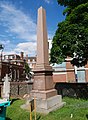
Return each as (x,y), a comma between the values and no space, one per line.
(43,87)
(6,87)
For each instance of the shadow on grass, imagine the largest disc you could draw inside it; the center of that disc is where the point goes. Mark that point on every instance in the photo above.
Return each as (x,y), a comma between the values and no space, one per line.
(11,119)
(8,118)
(13,100)
(38,117)
(87,116)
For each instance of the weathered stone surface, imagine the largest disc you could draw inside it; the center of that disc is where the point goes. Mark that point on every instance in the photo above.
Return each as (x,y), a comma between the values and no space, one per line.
(20,89)
(43,94)
(43,82)
(50,104)
(43,87)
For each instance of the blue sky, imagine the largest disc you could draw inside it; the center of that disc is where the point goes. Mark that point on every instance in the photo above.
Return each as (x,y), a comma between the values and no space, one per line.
(18,20)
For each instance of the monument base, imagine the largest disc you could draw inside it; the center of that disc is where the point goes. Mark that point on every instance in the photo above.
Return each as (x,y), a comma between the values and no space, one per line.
(47,105)
(43,94)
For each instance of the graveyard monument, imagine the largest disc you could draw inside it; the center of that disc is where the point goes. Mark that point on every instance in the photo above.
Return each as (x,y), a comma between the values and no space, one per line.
(46,96)
(6,87)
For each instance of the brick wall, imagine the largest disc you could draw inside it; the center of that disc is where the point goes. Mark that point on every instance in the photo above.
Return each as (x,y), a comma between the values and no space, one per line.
(70,76)
(61,77)
(86,72)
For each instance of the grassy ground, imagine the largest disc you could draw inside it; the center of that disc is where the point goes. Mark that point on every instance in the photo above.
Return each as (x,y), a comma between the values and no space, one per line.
(75,109)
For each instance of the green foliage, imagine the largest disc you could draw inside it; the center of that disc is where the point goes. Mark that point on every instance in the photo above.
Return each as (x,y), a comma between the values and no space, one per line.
(27,68)
(14,112)
(71,3)
(27,71)
(72,36)
(77,107)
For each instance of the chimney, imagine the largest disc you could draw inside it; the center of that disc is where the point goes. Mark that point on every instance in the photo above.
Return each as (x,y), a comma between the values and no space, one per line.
(22,55)
(26,58)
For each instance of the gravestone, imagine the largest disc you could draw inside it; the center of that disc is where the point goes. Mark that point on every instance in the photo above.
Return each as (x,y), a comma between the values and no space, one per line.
(6,87)
(43,87)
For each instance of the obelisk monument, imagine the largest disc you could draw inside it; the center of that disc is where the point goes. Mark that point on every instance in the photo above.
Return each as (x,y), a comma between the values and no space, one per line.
(43,87)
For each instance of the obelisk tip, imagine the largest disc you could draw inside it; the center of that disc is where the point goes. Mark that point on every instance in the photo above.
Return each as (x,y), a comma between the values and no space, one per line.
(41,8)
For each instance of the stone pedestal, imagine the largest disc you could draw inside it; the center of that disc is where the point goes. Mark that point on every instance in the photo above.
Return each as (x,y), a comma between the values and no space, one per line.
(43,90)
(47,105)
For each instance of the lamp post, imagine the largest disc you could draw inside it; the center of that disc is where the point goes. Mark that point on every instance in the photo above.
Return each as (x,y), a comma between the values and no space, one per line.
(1,49)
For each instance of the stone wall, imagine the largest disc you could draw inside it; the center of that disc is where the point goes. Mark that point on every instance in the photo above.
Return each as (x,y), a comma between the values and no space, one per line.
(19,89)
(76,90)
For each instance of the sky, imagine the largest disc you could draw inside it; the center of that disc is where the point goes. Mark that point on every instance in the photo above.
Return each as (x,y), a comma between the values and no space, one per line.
(18,21)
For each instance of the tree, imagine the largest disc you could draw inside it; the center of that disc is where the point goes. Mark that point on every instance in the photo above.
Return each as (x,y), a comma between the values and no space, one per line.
(72,37)
(27,68)
(27,71)
(70,4)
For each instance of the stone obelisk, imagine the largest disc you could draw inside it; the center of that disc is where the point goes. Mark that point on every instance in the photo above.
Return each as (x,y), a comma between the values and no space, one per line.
(43,87)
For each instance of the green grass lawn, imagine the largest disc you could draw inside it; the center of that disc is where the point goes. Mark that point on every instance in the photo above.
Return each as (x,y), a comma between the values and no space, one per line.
(77,108)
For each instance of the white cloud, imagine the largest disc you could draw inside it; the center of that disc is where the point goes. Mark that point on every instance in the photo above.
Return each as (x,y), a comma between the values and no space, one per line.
(19,27)
(47,1)
(18,22)
(1,35)
(5,42)
(8,52)
(8,46)
(28,47)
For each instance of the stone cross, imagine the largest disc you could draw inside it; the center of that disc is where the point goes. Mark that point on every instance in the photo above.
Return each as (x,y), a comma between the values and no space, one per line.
(6,87)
